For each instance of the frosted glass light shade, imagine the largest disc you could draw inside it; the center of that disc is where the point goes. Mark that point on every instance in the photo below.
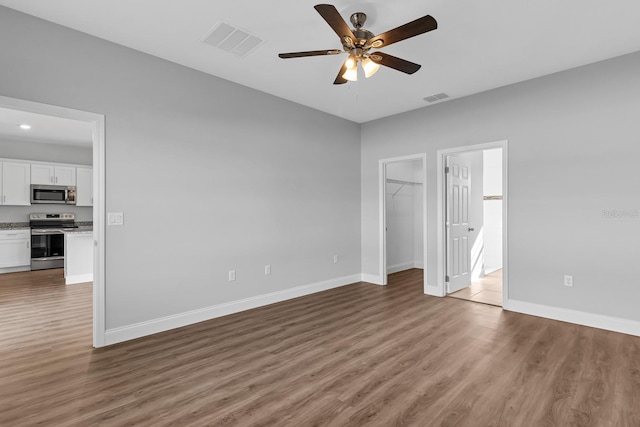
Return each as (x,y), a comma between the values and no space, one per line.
(352,69)
(351,74)
(369,67)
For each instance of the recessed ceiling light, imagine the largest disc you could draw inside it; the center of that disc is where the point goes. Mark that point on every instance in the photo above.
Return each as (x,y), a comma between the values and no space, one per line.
(25,126)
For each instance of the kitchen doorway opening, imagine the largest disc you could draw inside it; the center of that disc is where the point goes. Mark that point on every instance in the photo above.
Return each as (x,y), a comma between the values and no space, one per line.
(472,223)
(97,123)
(403,213)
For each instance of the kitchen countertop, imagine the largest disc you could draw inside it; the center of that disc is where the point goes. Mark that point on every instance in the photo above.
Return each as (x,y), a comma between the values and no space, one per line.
(14,225)
(80,230)
(83,226)
(83,229)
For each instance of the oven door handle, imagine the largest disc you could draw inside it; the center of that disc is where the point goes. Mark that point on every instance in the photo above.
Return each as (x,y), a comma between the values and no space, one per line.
(45,231)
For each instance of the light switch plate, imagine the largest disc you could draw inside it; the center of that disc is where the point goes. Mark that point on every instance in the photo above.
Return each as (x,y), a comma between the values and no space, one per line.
(115,218)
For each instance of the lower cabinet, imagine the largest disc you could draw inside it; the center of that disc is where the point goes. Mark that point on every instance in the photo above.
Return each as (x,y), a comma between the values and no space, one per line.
(15,248)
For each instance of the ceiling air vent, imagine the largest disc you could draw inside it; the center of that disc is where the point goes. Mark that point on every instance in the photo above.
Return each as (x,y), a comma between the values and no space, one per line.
(438,97)
(232,39)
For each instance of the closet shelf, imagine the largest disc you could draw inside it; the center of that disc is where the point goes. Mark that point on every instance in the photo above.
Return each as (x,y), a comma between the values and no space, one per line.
(399,181)
(402,183)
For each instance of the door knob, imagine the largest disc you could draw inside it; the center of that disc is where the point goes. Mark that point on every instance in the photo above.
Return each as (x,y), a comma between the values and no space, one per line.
(471,229)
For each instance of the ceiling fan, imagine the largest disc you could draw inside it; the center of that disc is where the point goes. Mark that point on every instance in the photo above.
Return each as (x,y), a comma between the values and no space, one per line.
(358,42)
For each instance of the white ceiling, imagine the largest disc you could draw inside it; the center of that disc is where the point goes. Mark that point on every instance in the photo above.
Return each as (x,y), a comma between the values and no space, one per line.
(44,129)
(479,45)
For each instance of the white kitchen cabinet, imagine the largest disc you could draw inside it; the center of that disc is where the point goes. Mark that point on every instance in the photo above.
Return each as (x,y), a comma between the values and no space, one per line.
(84,187)
(15,248)
(42,174)
(47,174)
(14,185)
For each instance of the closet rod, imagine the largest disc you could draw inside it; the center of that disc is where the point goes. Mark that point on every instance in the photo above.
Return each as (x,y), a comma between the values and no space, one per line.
(399,181)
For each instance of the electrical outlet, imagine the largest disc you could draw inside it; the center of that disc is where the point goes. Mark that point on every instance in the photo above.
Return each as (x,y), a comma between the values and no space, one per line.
(568,280)
(335,259)
(267,270)
(232,275)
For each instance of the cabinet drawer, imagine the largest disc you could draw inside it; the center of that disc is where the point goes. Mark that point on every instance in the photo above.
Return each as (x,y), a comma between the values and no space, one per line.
(15,248)
(15,234)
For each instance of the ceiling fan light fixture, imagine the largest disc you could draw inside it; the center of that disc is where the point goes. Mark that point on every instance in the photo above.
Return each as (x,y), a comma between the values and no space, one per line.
(351,64)
(369,67)
(351,74)
(358,41)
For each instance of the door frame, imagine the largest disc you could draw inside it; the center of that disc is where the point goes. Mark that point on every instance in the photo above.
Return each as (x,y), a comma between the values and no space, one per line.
(441,288)
(98,122)
(382,242)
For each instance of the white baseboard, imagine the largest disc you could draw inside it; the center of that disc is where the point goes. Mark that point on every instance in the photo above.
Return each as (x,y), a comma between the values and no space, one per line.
(418,264)
(137,330)
(78,278)
(371,278)
(399,267)
(434,291)
(15,269)
(599,321)
(489,270)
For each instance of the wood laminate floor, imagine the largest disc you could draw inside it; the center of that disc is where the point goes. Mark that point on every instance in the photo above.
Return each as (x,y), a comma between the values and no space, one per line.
(354,356)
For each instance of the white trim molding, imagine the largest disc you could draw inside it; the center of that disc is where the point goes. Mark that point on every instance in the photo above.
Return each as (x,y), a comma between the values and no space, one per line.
(98,122)
(138,330)
(78,278)
(440,289)
(583,318)
(382,224)
(371,278)
(15,269)
(400,267)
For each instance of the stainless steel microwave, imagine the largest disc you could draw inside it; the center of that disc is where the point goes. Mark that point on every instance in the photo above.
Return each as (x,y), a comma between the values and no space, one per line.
(53,194)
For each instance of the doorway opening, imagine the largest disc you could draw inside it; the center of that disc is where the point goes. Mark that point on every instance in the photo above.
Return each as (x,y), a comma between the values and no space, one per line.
(96,123)
(403,214)
(472,231)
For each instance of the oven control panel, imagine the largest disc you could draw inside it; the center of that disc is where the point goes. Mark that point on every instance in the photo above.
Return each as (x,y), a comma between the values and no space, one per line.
(57,216)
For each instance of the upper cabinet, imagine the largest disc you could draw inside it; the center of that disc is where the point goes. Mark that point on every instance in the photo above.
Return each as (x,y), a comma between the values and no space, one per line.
(15,182)
(84,187)
(45,174)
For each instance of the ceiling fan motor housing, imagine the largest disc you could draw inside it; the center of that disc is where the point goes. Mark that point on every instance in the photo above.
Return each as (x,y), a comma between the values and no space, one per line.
(358,19)
(356,47)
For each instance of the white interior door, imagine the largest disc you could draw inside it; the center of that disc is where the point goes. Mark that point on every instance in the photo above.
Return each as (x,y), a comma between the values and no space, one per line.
(458,184)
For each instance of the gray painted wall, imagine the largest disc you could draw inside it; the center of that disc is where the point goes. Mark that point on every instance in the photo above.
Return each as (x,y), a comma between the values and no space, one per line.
(45,152)
(211,176)
(574,151)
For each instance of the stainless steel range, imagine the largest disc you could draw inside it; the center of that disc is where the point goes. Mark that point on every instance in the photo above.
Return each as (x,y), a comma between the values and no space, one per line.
(47,239)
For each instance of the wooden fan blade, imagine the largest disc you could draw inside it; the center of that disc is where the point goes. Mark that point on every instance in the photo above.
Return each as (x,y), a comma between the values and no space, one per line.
(309,53)
(411,29)
(395,63)
(335,21)
(339,79)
